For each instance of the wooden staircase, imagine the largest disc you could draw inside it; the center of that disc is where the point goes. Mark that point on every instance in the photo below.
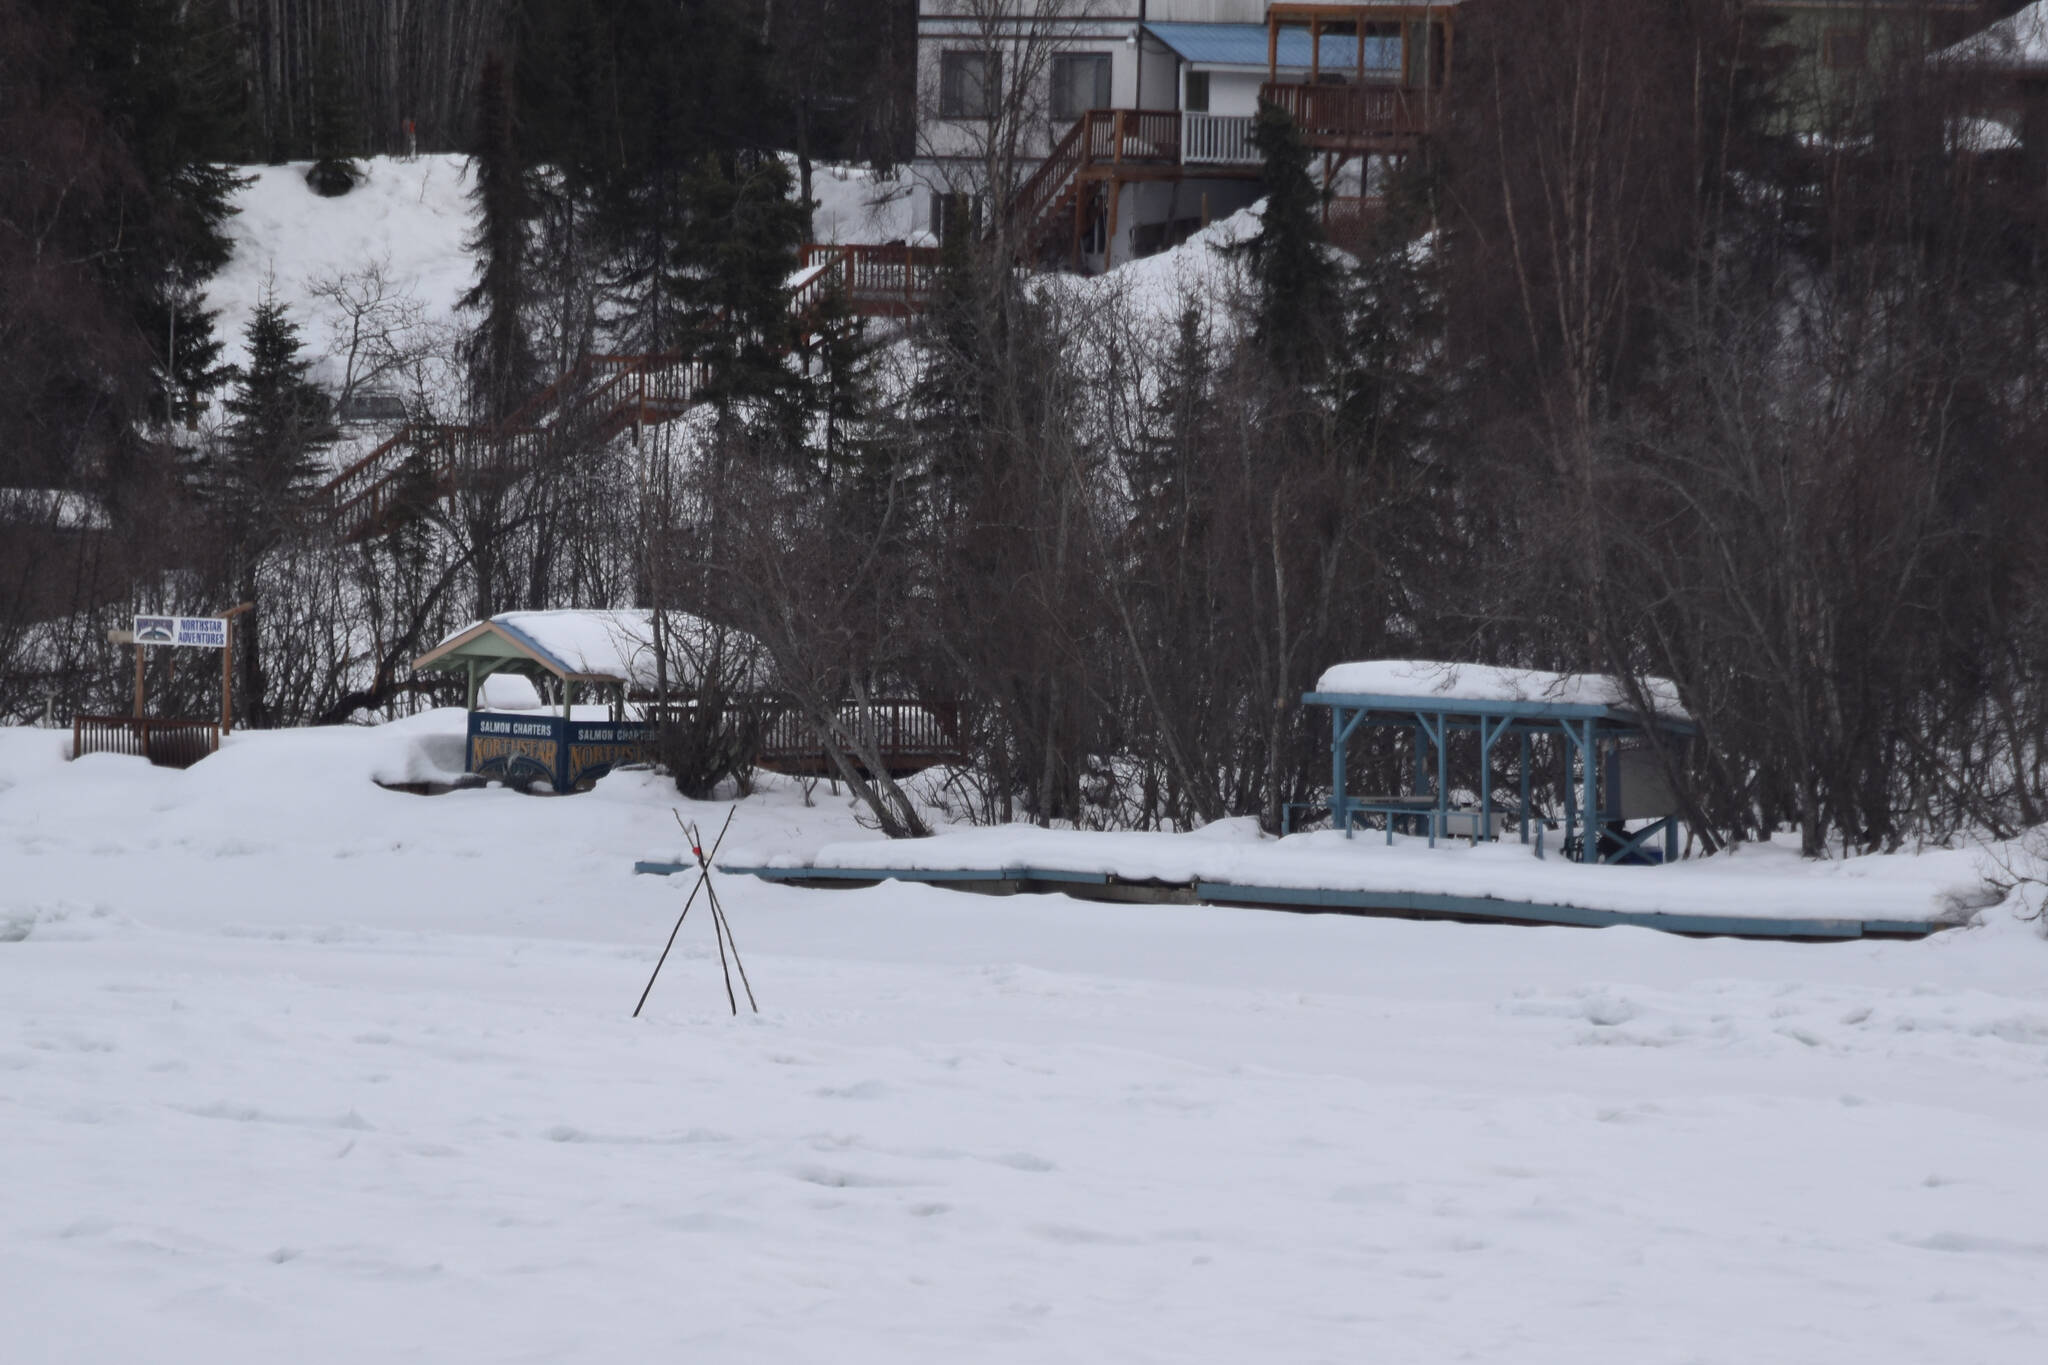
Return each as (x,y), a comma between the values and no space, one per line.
(1104,149)
(602,396)
(596,399)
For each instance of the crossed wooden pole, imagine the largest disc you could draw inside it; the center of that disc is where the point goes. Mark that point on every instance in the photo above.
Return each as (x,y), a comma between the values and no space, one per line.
(721,928)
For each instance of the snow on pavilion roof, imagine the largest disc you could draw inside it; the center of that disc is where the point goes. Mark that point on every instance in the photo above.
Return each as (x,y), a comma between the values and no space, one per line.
(2018,42)
(1427,680)
(593,646)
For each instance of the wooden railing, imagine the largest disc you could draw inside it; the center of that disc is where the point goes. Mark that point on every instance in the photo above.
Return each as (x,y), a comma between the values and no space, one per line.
(897,730)
(1040,194)
(908,736)
(1347,219)
(1351,113)
(1217,140)
(166,742)
(1135,137)
(876,281)
(612,391)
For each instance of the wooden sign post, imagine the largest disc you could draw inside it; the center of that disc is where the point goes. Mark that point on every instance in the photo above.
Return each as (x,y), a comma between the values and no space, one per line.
(190,632)
(227,668)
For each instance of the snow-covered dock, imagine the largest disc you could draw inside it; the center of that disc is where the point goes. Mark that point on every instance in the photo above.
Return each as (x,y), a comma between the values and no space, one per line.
(1760,892)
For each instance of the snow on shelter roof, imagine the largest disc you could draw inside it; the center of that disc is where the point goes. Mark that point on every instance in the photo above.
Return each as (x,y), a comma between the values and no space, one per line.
(2018,42)
(586,646)
(1426,680)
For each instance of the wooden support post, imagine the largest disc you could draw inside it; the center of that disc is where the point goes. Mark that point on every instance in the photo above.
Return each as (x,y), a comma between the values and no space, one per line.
(1080,215)
(1272,49)
(1116,195)
(1315,49)
(138,680)
(227,667)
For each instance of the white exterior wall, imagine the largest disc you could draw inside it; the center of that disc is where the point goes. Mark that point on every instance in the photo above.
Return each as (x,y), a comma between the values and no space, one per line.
(1206,11)
(1162,76)
(1235,92)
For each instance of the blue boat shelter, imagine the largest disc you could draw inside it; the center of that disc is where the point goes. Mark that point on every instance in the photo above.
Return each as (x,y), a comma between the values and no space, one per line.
(524,740)
(1603,732)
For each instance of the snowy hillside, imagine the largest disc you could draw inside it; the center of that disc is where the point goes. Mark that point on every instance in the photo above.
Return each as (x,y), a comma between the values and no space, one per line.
(291,1065)
(411,218)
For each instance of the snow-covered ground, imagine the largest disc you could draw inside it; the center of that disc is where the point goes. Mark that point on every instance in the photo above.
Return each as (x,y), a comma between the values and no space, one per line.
(409,219)
(291,1065)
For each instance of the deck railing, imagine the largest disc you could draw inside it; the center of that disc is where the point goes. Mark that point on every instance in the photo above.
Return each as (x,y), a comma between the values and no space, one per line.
(167,742)
(1138,137)
(1217,140)
(1351,113)
(893,280)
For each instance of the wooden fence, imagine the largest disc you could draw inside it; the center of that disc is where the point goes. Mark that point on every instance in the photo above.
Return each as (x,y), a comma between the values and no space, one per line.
(165,741)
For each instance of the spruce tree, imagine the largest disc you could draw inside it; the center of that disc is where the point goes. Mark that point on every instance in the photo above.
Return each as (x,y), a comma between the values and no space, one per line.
(280,422)
(1299,309)
(742,243)
(498,352)
(337,134)
(263,472)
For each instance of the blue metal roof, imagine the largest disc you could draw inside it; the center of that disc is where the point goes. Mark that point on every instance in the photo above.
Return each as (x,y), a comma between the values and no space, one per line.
(1245,45)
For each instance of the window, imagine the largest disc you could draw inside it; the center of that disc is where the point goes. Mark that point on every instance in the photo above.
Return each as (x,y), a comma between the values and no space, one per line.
(1198,92)
(1080,82)
(1844,49)
(953,214)
(969,83)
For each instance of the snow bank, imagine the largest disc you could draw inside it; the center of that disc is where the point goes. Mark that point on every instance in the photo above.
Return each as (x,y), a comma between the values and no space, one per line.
(857,204)
(1203,271)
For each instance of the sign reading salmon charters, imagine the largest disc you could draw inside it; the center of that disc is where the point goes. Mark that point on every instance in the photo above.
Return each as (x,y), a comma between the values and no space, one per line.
(191,632)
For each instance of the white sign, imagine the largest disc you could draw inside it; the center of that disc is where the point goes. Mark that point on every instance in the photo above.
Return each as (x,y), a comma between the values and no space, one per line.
(192,632)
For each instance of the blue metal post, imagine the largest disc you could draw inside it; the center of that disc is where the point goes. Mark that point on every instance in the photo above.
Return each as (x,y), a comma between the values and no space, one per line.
(1525,786)
(1589,760)
(1488,737)
(1339,811)
(1443,777)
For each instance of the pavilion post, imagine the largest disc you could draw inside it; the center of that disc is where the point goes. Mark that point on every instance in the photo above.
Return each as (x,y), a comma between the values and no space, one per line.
(1589,763)
(1489,735)
(1443,777)
(469,691)
(1525,787)
(1339,813)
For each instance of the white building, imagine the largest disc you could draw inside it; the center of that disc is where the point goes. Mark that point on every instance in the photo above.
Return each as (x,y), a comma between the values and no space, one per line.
(1113,128)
